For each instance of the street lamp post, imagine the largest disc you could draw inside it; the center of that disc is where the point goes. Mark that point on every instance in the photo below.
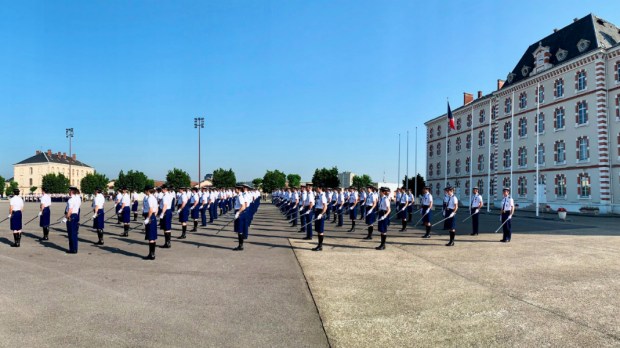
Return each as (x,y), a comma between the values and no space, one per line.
(199,122)
(69,134)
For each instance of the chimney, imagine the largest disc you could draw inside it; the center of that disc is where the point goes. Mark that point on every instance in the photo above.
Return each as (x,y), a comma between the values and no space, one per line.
(64,155)
(37,152)
(500,84)
(575,19)
(555,30)
(479,94)
(59,154)
(467,98)
(49,152)
(74,156)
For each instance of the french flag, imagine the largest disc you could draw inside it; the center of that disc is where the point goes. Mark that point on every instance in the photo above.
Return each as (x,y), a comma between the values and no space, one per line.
(450,117)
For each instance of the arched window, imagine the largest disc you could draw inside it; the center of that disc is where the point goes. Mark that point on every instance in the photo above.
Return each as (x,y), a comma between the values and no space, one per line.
(582,112)
(438,131)
(458,144)
(458,123)
(430,169)
(558,121)
(560,185)
(522,127)
(492,161)
(481,186)
(523,100)
(468,141)
(457,166)
(480,163)
(583,185)
(507,130)
(481,138)
(540,154)
(431,149)
(583,148)
(558,88)
(431,133)
(469,120)
(449,145)
(541,94)
(438,149)
(438,171)
(580,80)
(508,105)
(448,167)
(539,123)
(506,182)
(467,165)
(481,116)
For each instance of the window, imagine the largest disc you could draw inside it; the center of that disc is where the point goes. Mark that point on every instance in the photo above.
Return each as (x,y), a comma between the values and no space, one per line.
(437,189)
(457,166)
(438,149)
(522,186)
(580,80)
(542,180)
(494,135)
(582,112)
(448,167)
(467,188)
(522,127)
(481,138)
(558,91)
(494,112)
(560,185)
(583,189)
(583,149)
(540,155)
(438,171)
(523,100)
(438,131)
(481,116)
(558,120)
(507,158)
(522,157)
(430,170)
(469,120)
(458,123)
(507,130)
(618,106)
(540,95)
(480,163)
(560,152)
(481,186)
(457,183)
(617,71)
(449,146)
(508,105)
(539,123)
(30,181)
(468,141)
(430,150)
(492,186)
(467,164)
(506,182)
(492,161)
(458,144)
(431,133)
(30,173)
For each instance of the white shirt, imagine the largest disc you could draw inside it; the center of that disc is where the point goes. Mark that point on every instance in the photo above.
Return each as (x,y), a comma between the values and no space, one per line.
(17,203)
(167,201)
(384,203)
(74,203)
(452,202)
(239,201)
(151,201)
(321,201)
(404,199)
(353,197)
(507,204)
(118,197)
(309,198)
(371,199)
(476,201)
(427,199)
(99,200)
(340,198)
(125,200)
(46,200)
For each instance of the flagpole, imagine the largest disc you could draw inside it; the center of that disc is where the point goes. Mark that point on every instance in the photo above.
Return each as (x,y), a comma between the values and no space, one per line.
(415,182)
(445,178)
(512,138)
(407,175)
(537,145)
(398,178)
(489,157)
(471,155)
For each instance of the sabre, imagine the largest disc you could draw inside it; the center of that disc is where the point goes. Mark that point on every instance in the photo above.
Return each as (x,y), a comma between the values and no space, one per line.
(502,225)
(440,221)
(31,220)
(4,220)
(309,223)
(422,218)
(467,218)
(143,225)
(228,223)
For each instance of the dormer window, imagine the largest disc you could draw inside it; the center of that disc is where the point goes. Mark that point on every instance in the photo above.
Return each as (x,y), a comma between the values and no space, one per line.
(583,45)
(542,58)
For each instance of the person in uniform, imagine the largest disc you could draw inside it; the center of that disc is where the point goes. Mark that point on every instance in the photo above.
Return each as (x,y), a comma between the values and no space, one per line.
(443,210)
(309,211)
(320,208)
(508,208)
(125,211)
(371,210)
(98,215)
(302,208)
(150,222)
(183,212)
(194,208)
(239,220)
(44,214)
(411,205)
(362,202)
(72,218)
(340,208)
(134,205)
(16,206)
(427,210)
(353,201)
(451,207)
(402,205)
(294,208)
(334,204)
(474,209)
(165,217)
(203,203)
(384,215)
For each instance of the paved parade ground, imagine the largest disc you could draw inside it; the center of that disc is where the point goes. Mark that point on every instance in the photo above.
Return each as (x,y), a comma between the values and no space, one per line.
(555,284)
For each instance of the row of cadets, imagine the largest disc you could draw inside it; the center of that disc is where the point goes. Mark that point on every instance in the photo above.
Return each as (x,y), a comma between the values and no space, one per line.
(72,218)
(165,216)
(98,215)
(309,203)
(44,214)
(371,207)
(402,204)
(134,205)
(353,202)
(16,205)
(125,212)
(150,221)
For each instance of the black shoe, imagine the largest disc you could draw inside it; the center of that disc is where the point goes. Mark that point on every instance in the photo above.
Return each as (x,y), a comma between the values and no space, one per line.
(426,236)
(307,238)
(450,243)
(380,247)
(503,241)
(165,246)
(473,234)
(318,248)
(368,237)
(507,240)
(183,236)
(239,248)
(99,243)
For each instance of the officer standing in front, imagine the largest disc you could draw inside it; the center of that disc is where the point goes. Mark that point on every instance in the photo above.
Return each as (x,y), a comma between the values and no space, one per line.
(474,210)
(16,205)
(427,210)
(239,219)
(508,208)
(320,208)
(44,214)
(384,216)
(72,219)
(451,207)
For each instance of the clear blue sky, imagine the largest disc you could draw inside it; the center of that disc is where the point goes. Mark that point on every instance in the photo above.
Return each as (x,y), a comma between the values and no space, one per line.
(289,85)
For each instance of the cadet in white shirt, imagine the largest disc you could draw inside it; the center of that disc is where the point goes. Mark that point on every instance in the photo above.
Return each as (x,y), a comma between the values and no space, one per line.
(353,200)
(402,205)
(508,208)
(302,208)
(125,212)
(165,217)
(98,217)
(362,203)
(451,207)
(384,215)
(474,209)
(134,205)
(240,225)
(72,219)
(320,208)
(16,206)
(371,204)
(445,204)
(194,208)
(309,206)
(427,210)
(44,214)
(150,222)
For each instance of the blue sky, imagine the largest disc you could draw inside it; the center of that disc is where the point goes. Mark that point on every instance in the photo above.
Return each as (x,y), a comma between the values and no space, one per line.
(288,85)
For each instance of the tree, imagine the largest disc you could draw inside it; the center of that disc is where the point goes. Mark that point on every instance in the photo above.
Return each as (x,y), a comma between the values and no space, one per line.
(224,178)
(258,183)
(2,185)
(419,182)
(294,180)
(178,178)
(273,180)
(32,189)
(326,177)
(55,183)
(12,187)
(91,182)
(361,181)
(133,181)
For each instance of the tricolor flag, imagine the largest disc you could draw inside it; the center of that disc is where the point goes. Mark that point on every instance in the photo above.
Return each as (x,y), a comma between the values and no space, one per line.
(450,118)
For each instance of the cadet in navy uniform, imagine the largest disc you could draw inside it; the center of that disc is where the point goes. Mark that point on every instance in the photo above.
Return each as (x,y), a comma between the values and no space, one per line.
(239,223)
(44,214)
(125,212)
(320,208)
(134,205)
(411,205)
(451,207)
(98,217)
(183,212)
(384,215)
(362,202)
(204,199)
(508,208)
(150,222)
(402,206)
(166,205)
(72,219)
(16,205)
(340,208)
(309,204)
(117,201)
(445,204)
(474,210)
(294,208)
(353,200)
(427,210)
(371,210)
(302,208)
(194,208)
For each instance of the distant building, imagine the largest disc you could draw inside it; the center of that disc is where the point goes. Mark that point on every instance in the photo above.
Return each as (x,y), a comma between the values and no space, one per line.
(30,172)
(346,179)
